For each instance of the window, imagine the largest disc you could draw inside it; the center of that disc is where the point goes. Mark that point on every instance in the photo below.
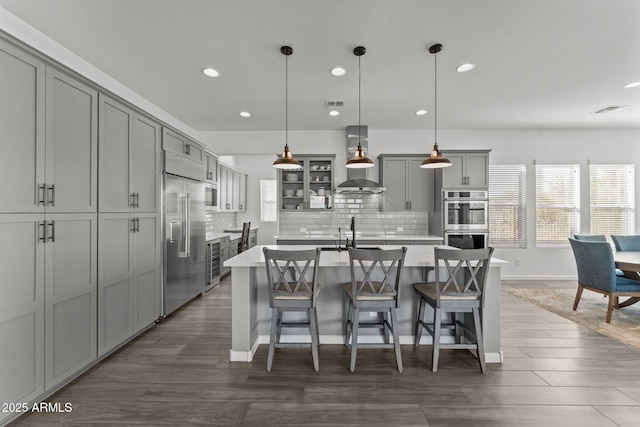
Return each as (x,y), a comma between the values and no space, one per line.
(268,200)
(507,211)
(612,201)
(557,203)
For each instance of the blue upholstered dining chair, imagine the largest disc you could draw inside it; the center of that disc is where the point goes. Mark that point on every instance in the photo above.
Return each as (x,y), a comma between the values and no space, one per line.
(590,237)
(626,243)
(597,273)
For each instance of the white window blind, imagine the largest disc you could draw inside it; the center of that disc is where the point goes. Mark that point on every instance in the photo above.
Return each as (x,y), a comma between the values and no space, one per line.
(612,200)
(507,205)
(268,200)
(557,203)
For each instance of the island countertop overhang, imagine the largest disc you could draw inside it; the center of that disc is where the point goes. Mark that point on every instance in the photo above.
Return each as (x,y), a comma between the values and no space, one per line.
(417,256)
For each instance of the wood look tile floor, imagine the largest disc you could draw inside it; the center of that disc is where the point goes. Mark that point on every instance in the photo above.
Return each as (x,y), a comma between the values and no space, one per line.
(555,373)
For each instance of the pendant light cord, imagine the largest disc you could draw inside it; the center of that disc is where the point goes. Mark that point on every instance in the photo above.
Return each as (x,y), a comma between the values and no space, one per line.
(286,100)
(435,93)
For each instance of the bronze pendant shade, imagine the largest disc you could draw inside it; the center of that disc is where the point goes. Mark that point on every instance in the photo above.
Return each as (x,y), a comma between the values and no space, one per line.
(435,160)
(360,160)
(287,161)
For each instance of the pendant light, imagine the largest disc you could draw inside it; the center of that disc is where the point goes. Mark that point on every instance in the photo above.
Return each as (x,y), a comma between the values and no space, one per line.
(287,161)
(435,160)
(360,160)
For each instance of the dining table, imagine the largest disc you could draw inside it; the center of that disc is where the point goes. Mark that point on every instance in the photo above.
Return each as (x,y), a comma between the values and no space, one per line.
(629,263)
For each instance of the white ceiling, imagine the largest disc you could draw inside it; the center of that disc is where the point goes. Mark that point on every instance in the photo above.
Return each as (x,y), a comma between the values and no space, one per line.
(540,64)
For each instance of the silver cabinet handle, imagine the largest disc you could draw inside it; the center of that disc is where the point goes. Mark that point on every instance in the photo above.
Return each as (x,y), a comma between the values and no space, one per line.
(137,224)
(133,225)
(52,236)
(137,200)
(133,200)
(52,191)
(187,149)
(41,194)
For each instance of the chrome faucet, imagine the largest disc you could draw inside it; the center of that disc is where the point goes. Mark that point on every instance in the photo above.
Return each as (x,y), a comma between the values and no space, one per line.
(353,232)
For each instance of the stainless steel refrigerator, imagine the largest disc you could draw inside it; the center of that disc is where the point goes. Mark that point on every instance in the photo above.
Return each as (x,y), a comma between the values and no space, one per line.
(184,243)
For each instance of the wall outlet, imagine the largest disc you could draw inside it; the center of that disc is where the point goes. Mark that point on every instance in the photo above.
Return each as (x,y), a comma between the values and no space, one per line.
(303,230)
(517,262)
(399,228)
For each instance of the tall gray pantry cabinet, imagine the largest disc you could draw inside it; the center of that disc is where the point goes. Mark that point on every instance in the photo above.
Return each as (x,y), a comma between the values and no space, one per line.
(79,219)
(129,256)
(48,221)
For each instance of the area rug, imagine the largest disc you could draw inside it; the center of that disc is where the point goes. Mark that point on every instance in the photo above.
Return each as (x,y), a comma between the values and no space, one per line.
(591,312)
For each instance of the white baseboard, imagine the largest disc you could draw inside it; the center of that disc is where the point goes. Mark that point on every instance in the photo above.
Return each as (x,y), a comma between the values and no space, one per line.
(247,356)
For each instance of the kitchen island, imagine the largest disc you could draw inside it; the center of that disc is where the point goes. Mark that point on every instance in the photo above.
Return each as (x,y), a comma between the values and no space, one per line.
(251,314)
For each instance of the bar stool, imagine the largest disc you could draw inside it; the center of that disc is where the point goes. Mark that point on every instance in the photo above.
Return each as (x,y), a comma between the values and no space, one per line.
(292,280)
(460,290)
(374,288)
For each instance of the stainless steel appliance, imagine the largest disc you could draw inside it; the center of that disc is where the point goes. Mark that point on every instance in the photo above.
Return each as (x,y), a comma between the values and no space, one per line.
(184,232)
(214,263)
(465,210)
(466,239)
(210,197)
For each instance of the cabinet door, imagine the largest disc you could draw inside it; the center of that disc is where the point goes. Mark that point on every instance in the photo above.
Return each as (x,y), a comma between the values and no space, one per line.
(222,188)
(212,168)
(21,308)
(22,83)
(71,145)
(70,295)
(477,170)
(116,128)
(453,176)
(243,192)
(421,186)
(235,191)
(115,273)
(147,285)
(146,165)
(394,179)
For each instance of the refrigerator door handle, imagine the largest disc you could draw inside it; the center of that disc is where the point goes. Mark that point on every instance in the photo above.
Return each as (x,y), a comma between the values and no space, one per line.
(187,229)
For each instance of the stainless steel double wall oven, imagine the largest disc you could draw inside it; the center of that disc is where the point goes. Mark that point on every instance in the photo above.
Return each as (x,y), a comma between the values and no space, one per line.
(466,218)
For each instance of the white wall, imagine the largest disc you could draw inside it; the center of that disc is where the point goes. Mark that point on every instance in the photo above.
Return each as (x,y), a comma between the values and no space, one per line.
(255,151)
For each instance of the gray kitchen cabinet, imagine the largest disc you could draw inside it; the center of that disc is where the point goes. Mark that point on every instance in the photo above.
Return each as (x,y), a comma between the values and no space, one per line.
(469,169)
(48,121)
(225,188)
(303,189)
(211,170)
(242,192)
(70,295)
(232,189)
(22,106)
(225,254)
(71,159)
(22,307)
(178,144)
(409,188)
(129,276)
(130,161)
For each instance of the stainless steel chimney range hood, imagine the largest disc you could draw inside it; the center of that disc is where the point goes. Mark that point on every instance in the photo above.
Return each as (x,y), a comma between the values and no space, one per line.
(357,181)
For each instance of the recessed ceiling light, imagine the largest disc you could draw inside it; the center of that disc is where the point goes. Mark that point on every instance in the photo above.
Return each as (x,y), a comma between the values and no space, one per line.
(245,114)
(421,112)
(210,72)
(632,84)
(338,71)
(334,113)
(465,67)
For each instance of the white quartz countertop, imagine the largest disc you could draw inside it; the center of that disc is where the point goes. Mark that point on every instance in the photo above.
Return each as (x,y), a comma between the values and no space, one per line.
(417,256)
(419,237)
(216,236)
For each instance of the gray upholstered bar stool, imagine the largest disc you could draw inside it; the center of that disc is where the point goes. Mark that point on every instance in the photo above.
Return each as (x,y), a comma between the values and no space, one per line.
(457,289)
(292,279)
(374,287)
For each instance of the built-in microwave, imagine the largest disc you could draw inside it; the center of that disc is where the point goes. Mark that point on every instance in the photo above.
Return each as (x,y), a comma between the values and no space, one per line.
(466,210)
(211,197)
